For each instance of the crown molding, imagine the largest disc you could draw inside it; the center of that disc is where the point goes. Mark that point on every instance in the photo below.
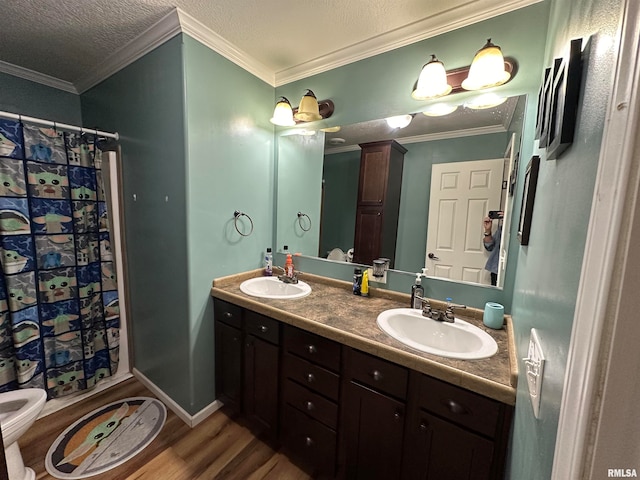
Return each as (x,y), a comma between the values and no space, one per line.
(215,42)
(429,137)
(465,15)
(37,77)
(154,36)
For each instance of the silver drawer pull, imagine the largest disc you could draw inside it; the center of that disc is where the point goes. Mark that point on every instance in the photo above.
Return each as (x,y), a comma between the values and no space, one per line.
(312,349)
(424,426)
(455,407)
(227,315)
(311,378)
(397,415)
(264,328)
(310,406)
(308,441)
(377,375)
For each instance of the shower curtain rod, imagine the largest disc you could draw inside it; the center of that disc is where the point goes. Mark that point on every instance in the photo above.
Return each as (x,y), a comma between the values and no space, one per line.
(49,123)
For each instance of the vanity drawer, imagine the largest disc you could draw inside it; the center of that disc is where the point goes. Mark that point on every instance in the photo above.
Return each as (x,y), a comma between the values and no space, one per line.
(311,376)
(466,408)
(314,348)
(311,403)
(262,327)
(379,374)
(314,443)
(227,313)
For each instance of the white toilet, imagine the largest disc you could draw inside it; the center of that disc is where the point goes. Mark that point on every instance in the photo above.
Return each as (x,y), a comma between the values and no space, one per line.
(18,410)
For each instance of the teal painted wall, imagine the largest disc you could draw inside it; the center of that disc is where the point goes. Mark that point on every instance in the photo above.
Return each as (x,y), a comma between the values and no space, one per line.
(549,268)
(144,103)
(25,97)
(340,173)
(380,86)
(230,166)
(299,184)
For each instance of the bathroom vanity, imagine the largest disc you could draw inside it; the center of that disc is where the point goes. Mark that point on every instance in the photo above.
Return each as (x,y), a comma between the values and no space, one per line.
(317,376)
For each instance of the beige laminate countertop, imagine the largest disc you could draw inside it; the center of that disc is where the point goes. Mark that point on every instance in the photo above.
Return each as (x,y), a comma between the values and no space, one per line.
(332,311)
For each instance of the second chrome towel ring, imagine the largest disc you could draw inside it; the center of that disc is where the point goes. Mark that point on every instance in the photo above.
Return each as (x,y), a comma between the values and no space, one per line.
(301,223)
(236,216)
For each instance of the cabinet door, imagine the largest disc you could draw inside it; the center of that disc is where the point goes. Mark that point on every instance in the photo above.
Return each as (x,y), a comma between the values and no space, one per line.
(228,365)
(373,430)
(368,235)
(439,450)
(261,384)
(374,168)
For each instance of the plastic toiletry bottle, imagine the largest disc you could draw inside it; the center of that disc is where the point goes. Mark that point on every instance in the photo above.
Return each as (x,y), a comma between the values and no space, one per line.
(289,270)
(417,290)
(357,281)
(268,263)
(364,287)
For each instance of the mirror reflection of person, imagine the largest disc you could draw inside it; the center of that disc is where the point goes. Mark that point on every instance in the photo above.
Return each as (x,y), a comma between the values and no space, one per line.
(491,242)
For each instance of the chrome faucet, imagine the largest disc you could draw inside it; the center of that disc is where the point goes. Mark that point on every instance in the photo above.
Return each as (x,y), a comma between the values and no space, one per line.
(449,314)
(285,278)
(439,315)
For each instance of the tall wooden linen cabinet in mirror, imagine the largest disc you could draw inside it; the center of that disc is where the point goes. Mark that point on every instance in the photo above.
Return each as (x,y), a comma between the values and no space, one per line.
(378,206)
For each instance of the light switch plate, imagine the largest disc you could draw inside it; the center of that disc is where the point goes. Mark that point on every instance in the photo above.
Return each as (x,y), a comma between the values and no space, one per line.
(534,369)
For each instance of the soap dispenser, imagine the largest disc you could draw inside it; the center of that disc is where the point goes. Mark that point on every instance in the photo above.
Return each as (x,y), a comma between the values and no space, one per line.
(289,269)
(417,290)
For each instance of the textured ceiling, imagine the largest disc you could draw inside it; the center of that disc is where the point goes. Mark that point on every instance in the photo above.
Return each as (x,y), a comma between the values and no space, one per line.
(67,39)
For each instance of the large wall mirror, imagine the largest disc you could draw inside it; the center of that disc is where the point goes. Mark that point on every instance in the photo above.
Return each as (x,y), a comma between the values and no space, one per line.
(456,169)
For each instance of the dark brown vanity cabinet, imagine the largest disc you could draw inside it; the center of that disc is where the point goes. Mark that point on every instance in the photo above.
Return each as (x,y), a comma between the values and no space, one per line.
(261,371)
(374,406)
(378,204)
(310,398)
(453,433)
(341,412)
(229,352)
(247,364)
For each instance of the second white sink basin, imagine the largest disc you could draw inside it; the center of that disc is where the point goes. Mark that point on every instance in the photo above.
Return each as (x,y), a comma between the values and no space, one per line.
(271,287)
(453,340)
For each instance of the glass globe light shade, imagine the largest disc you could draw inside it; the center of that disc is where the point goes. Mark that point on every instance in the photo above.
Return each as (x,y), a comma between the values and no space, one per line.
(283,113)
(432,82)
(309,110)
(487,69)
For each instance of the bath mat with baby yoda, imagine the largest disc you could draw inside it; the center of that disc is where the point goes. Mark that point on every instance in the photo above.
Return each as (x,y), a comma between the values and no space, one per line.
(105,438)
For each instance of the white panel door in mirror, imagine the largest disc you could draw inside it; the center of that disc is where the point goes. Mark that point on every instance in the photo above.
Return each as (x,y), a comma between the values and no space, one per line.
(461,195)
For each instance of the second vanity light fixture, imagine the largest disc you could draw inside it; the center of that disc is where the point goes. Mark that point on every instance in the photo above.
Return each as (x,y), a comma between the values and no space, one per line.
(310,110)
(488,69)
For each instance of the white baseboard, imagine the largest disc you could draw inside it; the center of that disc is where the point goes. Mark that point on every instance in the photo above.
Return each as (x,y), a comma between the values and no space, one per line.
(191,420)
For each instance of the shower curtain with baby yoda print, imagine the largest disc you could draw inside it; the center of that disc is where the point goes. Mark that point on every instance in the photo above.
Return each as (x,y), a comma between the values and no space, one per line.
(59,313)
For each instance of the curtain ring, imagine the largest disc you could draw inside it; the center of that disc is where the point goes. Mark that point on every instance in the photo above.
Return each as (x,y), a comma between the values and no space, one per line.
(300,216)
(236,215)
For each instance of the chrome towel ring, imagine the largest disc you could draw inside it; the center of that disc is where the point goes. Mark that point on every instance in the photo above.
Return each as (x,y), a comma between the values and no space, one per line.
(236,215)
(300,216)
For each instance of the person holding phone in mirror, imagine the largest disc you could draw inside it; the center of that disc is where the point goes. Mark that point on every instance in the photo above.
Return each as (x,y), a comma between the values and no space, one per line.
(491,242)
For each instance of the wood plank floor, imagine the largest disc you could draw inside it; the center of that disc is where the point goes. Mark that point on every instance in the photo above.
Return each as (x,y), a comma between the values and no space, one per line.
(221,447)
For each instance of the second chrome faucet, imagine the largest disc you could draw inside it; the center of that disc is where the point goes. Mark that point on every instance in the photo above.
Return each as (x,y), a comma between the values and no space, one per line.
(446,315)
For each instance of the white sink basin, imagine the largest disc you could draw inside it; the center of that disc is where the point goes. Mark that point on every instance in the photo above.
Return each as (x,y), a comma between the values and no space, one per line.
(454,340)
(271,287)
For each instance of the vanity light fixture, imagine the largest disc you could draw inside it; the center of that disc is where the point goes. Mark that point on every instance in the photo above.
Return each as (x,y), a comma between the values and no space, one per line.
(432,82)
(399,121)
(487,100)
(487,69)
(309,110)
(439,109)
(283,113)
